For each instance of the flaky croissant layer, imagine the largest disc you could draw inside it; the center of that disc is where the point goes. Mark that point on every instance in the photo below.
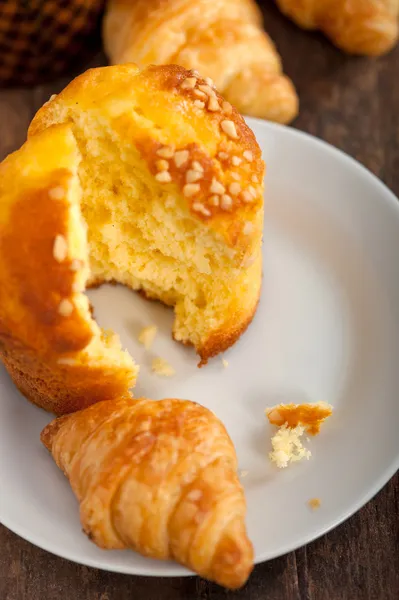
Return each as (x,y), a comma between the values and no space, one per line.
(159,477)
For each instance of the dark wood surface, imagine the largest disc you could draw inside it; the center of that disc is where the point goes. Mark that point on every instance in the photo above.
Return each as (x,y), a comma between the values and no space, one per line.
(353,103)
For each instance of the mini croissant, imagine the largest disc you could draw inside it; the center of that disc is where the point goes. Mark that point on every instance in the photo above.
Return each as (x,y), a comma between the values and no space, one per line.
(223,39)
(159,477)
(357,26)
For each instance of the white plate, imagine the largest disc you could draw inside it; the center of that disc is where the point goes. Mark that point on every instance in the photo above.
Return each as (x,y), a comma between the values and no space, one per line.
(326,329)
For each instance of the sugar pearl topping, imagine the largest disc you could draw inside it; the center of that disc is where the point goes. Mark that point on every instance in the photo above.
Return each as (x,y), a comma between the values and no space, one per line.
(181,157)
(229,128)
(57,193)
(213,104)
(163,177)
(189,83)
(190,189)
(60,248)
(234,188)
(216,187)
(226,202)
(192,175)
(166,151)
(206,89)
(227,108)
(65,308)
(247,196)
(210,185)
(197,166)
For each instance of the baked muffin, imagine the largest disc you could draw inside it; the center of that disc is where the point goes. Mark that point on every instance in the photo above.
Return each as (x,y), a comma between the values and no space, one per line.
(172,192)
(169,182)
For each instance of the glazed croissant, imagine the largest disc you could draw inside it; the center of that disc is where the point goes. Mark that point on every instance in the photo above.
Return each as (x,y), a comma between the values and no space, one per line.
(356,26)
(158,477)
(223,39)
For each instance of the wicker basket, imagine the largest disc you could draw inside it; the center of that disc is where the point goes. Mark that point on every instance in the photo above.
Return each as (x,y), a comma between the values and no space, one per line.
(40,39)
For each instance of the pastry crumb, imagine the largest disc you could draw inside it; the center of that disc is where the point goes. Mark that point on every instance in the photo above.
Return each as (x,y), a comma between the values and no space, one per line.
(147,336)
(225,363)
(243,473)
(108,336)
(287,446)
(311,416)
(314,503)
(161,367)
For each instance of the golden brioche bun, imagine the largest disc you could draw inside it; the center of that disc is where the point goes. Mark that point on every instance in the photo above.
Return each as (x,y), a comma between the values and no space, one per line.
(170,190)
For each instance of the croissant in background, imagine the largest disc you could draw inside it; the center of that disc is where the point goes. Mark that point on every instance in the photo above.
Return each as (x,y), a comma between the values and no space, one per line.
(223,39)
(357,26)
(159,477)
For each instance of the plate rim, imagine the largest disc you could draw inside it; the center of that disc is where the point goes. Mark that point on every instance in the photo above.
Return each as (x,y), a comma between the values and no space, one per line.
(180,571)
(177,570)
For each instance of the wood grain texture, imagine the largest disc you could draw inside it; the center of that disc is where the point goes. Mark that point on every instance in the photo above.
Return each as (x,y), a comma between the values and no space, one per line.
(353,103)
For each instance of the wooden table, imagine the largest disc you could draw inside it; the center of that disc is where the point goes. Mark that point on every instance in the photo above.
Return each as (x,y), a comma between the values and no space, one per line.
(353,104)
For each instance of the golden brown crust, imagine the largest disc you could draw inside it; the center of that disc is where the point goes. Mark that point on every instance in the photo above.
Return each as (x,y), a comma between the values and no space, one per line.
(309,415)
(40,290)
(226,336)
(223,39)
(42,328)
(50,431)
(367,27)
(158,477)
(62,388)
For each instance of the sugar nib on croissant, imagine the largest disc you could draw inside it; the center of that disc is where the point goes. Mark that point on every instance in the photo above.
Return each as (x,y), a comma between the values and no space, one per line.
(223,39)
(159,477)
